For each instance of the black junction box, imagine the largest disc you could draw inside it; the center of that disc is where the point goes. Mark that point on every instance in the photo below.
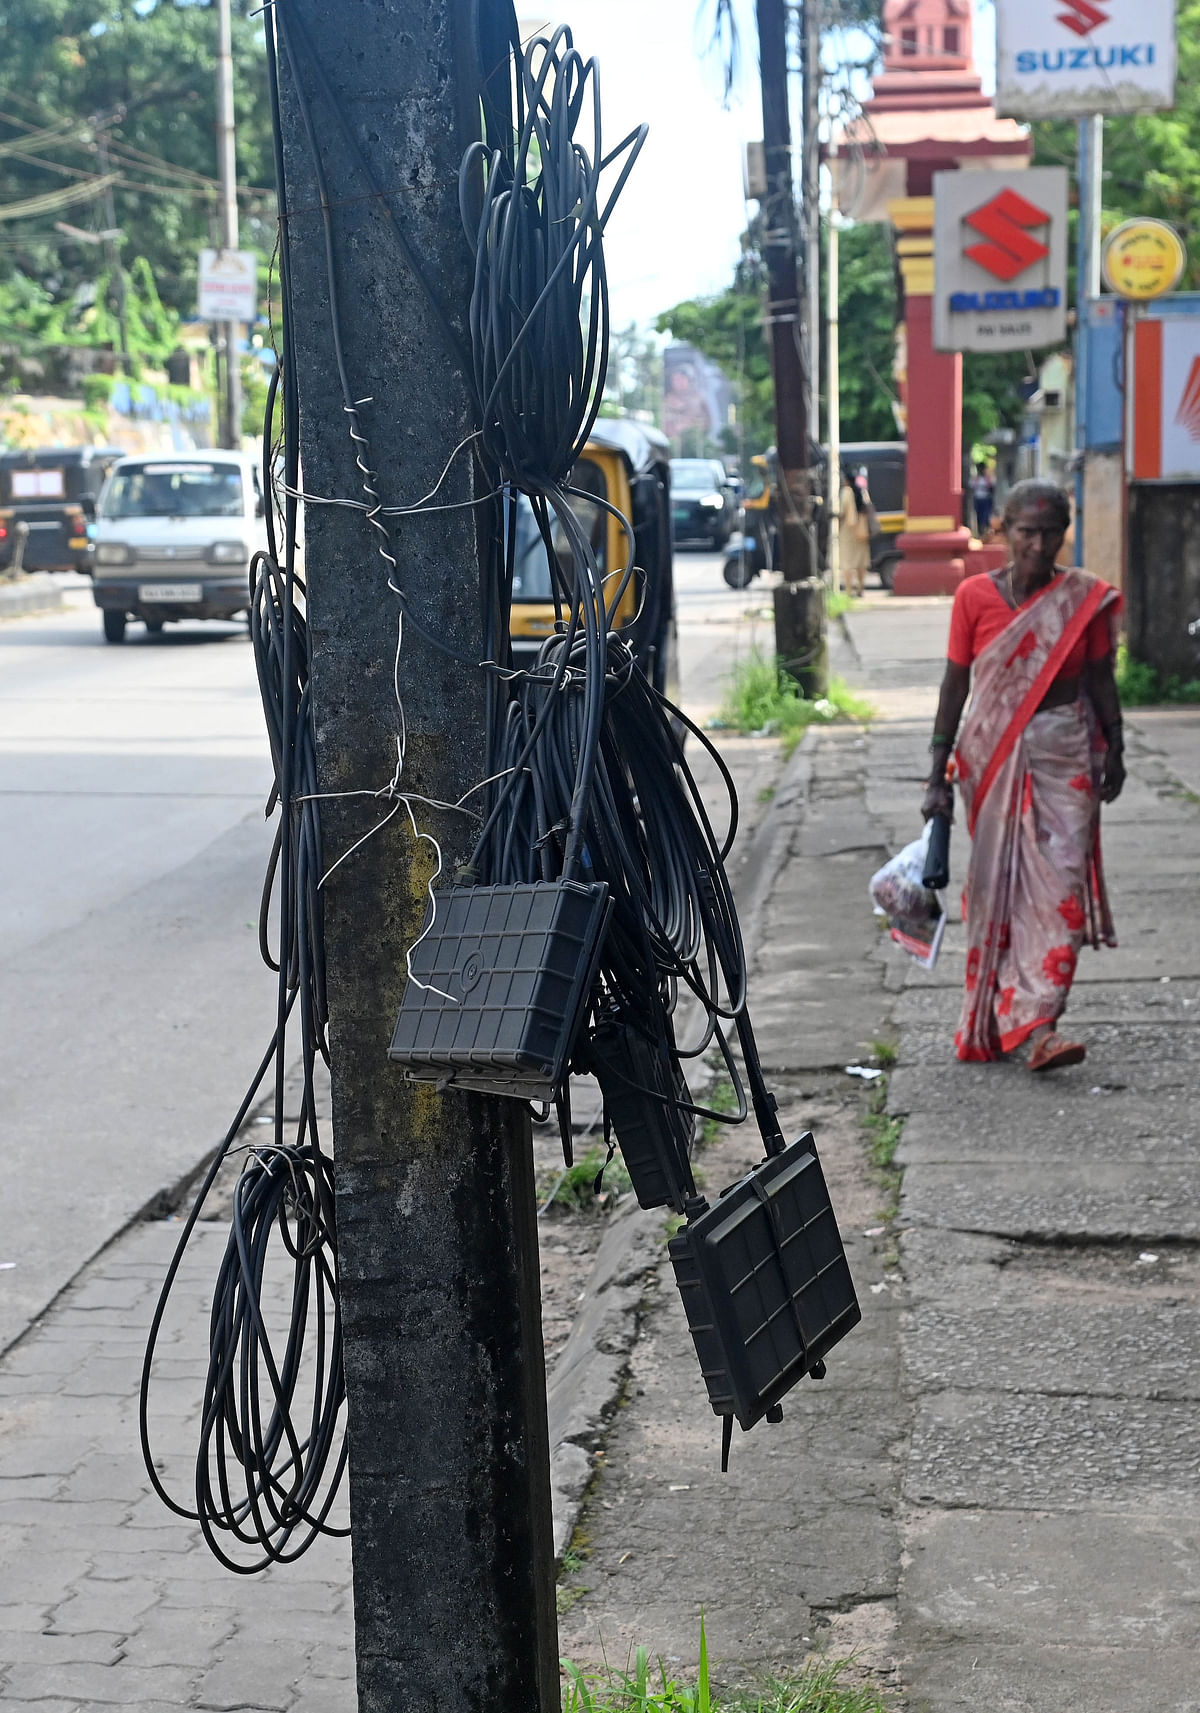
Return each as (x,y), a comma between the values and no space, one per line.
(501,983)
(765,1283)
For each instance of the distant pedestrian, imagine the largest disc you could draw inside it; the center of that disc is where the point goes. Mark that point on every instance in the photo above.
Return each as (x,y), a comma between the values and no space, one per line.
(854,533)
(983,498)
(1039,752)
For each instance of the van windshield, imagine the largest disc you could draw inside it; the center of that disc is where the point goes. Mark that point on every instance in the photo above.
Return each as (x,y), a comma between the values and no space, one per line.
(175,490)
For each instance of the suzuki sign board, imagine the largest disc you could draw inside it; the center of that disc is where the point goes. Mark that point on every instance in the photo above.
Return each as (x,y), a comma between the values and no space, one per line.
(999,259)
(1084,56)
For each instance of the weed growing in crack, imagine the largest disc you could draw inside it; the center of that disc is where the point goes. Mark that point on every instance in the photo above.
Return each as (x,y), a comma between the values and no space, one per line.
(886,1052)
(645,1689)
(883,1134)
(574,1189)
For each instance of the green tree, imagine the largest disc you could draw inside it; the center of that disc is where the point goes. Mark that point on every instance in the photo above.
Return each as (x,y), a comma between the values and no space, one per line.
(729,329)
(1151,160)
(866,332)
(127,87)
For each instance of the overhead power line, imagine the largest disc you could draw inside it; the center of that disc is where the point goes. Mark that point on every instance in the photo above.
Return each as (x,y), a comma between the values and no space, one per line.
(50,203)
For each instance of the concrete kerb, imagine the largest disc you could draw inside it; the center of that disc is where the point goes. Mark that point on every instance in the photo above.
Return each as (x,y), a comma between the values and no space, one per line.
(35,592)
(585,1384)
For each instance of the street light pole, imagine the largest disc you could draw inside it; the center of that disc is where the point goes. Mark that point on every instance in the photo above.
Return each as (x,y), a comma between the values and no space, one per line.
(231,414)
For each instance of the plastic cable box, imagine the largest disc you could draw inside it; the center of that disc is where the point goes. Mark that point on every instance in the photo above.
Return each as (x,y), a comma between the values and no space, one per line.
(655,1136)
(517,963)
(765,1283)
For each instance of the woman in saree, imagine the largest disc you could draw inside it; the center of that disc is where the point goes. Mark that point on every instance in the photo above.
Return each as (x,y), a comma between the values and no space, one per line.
(1039,751)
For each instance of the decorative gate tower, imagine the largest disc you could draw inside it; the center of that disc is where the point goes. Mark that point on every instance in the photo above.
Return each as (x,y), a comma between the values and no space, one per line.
(927,113)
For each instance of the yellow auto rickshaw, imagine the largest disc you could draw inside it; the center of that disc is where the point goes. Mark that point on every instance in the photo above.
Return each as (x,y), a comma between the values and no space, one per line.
(627,465)
(885,464)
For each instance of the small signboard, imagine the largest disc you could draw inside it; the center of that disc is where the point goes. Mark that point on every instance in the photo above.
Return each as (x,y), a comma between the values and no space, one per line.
(1143,259)
(228,285)
(1076,57)
(999,259)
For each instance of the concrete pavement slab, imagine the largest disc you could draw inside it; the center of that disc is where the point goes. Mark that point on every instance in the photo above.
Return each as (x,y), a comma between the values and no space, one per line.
(990,1575)
(1028,1677)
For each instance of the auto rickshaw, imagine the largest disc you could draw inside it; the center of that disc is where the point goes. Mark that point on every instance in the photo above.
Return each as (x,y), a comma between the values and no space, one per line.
(757,549)
(628,465)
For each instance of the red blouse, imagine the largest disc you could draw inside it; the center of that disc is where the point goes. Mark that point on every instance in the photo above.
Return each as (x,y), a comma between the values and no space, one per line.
(981,613)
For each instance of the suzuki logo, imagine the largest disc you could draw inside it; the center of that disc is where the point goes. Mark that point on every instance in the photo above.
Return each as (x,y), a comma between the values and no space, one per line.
(1188,414)
(1003,222)
(1082,18)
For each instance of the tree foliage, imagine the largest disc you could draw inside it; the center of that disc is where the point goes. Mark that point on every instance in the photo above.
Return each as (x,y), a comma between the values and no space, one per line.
(866,333)
(127,86)
(728,328)
(1151,160)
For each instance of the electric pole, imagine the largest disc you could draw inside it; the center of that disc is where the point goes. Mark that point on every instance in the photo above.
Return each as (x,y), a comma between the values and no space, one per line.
(231,414)
(810,187)
(436,1213)
(799,601)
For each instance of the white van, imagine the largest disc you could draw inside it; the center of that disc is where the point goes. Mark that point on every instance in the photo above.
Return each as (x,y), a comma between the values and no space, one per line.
(173,539)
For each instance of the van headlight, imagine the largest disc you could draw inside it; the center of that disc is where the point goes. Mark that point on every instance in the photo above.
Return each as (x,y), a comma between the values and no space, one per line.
(712,502)
(113,553)
(229,553)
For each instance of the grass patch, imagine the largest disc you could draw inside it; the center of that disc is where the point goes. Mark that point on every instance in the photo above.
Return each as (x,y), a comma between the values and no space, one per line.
(837,602)
(574,1191)
(720,1098)
(885,1053)
(645,1689)
(1138,683)
(882,1134)
(763,698)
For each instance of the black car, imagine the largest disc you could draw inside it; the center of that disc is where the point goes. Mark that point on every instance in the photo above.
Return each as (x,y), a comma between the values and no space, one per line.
(48,496)
(702,501)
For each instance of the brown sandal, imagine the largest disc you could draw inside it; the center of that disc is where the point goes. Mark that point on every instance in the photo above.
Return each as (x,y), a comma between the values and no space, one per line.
(1052,1052)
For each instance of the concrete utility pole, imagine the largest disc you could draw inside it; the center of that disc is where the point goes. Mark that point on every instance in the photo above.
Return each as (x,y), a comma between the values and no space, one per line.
(231,414)
(436,1215)
(799,602)
(833,375)
(810,187)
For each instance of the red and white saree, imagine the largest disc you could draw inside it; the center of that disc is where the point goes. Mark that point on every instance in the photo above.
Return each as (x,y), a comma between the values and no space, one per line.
(1030,786)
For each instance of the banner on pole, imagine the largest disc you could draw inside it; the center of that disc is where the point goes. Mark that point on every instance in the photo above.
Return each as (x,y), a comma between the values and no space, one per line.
(1077,57)
(999,259)
(228,285)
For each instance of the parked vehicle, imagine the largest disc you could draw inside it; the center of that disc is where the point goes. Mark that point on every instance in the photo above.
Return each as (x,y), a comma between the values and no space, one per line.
(703,502)
(756,548)
(626,465)
(174,537)
(48,496)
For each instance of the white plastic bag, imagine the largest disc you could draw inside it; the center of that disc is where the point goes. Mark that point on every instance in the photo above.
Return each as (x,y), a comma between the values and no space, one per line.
(898,888)
(914,914)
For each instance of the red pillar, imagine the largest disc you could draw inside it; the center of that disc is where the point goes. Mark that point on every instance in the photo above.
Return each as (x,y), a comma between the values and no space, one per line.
(935,540)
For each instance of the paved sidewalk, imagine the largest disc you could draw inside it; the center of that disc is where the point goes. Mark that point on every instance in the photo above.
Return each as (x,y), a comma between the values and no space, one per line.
(1051,1230)
(994,1495)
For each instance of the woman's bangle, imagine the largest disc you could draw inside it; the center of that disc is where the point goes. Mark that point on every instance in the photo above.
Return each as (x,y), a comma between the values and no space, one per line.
(940,741)
(1114,734)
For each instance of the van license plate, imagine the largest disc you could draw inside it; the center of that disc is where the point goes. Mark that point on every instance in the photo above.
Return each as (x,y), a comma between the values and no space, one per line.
(169,592)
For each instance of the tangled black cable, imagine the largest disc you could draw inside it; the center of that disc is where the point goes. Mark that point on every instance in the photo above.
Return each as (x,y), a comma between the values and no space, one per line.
(585,776)
(272,1446)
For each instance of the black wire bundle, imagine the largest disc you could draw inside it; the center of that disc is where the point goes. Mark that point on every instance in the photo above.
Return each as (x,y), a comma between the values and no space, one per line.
(272,1440)
(587,776)
(593,785)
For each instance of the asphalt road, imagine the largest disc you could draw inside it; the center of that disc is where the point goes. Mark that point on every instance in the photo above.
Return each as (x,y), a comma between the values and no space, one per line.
(132,1002)
(133,1006)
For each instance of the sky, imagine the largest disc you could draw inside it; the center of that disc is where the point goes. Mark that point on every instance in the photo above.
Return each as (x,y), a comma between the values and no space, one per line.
(675,232)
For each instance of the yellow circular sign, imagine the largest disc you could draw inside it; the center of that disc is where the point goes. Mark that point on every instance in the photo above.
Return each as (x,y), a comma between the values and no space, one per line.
(1143,259)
